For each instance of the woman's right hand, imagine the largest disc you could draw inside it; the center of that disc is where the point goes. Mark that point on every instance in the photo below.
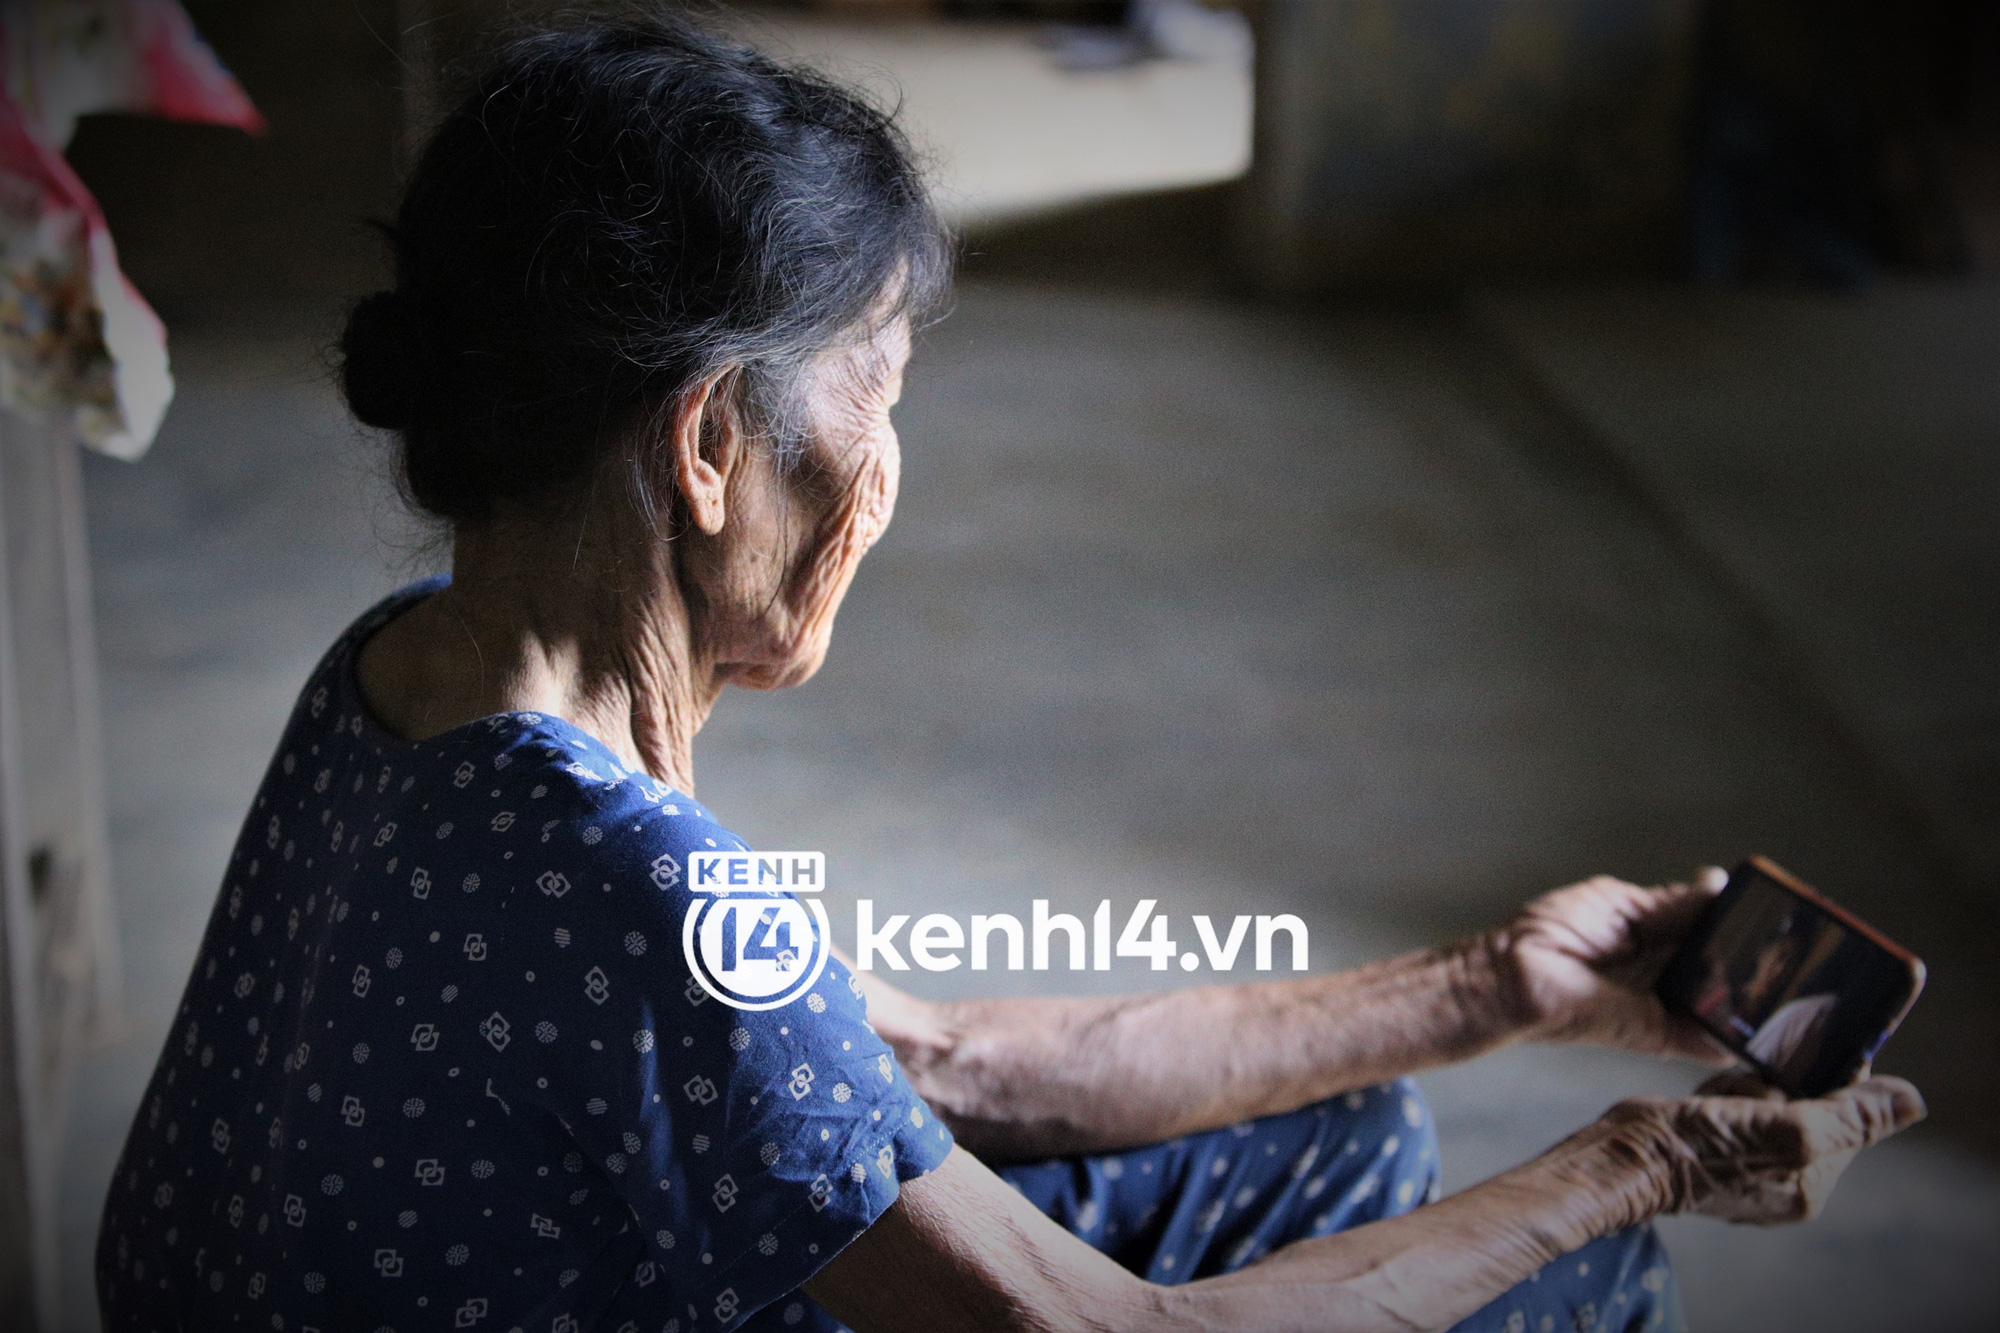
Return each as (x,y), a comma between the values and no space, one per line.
(1743,1152)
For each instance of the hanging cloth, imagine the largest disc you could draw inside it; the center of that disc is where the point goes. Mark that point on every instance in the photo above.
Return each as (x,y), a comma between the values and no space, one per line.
(80,350)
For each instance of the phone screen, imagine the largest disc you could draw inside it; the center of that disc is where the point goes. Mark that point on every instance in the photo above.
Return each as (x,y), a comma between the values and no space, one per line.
(1799,988)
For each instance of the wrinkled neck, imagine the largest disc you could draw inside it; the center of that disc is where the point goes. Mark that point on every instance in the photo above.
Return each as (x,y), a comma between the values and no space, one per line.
(589,626)
(592,622)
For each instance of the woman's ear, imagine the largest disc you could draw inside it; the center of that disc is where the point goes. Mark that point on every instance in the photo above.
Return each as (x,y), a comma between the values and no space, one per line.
(707,439)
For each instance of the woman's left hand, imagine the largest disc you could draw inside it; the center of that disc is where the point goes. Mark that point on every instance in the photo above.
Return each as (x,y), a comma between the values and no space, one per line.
(1581,963)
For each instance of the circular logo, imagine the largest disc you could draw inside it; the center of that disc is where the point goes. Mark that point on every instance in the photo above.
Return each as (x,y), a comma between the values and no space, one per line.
(755,950)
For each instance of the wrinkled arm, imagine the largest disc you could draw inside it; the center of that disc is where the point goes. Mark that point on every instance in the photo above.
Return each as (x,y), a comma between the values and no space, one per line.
(1026,1078)
(962,1249)
(1034,1078)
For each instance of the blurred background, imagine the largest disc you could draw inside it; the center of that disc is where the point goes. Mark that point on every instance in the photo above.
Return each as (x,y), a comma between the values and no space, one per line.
(1388,458)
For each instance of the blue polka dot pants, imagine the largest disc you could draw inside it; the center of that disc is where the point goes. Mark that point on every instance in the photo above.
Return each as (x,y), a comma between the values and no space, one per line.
(1211,1203)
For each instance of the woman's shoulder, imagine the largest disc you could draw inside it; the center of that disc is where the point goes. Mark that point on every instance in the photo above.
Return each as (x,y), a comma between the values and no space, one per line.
(524,800)
(534,770)
(536,800)
(581,801)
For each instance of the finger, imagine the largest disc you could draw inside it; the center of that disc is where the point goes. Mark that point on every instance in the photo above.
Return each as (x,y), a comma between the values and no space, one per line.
(1711,880)
(1856,1117)
(1764,1199)
(1816,1183)
(1671,913)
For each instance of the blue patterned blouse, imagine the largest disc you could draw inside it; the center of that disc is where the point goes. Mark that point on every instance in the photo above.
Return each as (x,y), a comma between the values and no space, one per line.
(441,1064)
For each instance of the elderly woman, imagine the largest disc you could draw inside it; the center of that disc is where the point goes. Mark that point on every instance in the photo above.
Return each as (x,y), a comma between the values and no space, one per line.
(439,1064)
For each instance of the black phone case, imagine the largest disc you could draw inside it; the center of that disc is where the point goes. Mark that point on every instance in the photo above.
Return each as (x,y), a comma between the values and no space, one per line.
(1680,982)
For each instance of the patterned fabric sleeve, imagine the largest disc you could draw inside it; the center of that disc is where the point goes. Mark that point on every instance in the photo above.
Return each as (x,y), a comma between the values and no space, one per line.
(749,1146)
(441,1065)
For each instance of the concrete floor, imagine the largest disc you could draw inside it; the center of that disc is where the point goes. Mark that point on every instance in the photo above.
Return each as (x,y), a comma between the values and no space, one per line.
(1240,610)
(1004,132)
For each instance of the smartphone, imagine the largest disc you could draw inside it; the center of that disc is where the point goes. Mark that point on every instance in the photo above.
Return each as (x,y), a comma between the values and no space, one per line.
(1802,989)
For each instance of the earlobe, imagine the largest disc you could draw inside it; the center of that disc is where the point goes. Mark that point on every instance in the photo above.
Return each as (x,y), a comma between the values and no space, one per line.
(703,452)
